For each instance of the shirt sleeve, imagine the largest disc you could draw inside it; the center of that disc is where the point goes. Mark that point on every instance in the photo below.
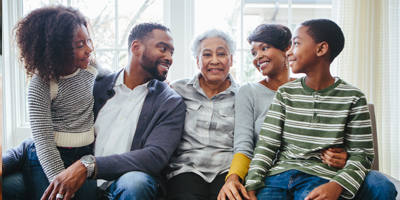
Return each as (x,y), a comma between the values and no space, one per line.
(240,165)
(268,144)
(39,102)
(244,141)
(359,145)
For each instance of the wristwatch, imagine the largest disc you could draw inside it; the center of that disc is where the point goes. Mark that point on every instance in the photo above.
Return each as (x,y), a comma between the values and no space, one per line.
(89,162)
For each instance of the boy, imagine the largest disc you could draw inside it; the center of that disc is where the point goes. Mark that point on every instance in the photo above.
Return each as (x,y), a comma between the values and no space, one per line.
(312,113)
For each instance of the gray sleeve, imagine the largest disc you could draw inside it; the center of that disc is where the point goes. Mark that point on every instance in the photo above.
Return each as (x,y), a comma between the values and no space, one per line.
(39,102)
(101,71)
(244,121)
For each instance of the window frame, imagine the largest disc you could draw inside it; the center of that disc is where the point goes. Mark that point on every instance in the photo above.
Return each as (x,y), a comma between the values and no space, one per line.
(178,16)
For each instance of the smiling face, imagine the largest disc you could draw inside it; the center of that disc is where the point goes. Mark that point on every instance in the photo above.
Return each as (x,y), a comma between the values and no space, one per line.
(269,60)
(302,55)
(82,49)
(157,55)
(214,60)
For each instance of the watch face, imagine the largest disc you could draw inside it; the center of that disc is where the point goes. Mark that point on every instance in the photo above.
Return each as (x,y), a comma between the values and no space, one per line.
(87,159)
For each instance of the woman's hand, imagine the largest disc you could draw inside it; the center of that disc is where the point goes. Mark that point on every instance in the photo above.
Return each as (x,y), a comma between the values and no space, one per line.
(231,189)
(335,157)
(252,195)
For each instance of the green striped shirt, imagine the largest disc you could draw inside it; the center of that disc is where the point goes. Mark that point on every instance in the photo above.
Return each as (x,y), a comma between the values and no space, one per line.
(302,121)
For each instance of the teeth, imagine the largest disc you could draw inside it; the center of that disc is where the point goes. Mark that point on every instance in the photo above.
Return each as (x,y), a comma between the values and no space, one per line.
(264,63)
(166,67)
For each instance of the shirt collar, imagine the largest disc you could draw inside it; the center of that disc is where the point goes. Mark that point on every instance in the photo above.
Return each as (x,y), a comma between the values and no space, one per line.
(120,80)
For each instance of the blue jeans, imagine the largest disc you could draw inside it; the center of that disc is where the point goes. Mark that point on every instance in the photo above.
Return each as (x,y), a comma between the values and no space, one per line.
(14,187)
(132,185)
(294,184)
(36,181)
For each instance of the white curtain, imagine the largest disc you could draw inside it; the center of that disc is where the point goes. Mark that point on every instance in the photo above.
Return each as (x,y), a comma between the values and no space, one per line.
(371,61)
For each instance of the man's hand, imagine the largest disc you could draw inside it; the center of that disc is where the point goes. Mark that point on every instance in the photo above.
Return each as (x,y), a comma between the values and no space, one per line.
(335,157)
(231,189)
(328,191)
(67,182)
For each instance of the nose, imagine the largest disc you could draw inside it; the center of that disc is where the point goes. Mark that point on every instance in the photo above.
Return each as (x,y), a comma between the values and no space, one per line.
(168,58)
(89,48)
(214,60)
(289,52)
(258,56)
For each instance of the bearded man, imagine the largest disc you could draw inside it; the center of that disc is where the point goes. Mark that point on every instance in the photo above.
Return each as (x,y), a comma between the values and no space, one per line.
(139,121)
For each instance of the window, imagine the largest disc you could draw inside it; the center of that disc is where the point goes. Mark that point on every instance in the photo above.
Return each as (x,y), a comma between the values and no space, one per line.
(112,20)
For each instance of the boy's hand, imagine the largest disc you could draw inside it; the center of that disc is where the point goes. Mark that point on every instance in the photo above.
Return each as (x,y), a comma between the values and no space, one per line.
(231,189)
(252,195)
(335,157)
(331,190)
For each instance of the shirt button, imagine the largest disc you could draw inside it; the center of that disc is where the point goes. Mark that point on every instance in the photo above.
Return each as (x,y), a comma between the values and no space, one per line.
(121,118)
(130,99)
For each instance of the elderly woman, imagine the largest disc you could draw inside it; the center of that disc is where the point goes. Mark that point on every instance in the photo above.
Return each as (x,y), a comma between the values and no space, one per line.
(198,167)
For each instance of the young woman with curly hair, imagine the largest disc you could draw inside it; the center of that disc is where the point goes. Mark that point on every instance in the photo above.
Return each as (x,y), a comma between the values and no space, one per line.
(55,48)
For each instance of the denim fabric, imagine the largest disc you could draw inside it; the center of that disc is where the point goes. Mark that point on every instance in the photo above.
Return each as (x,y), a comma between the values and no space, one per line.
(376,186)
(295,184)
(36,180)
(134,186)
(14,187)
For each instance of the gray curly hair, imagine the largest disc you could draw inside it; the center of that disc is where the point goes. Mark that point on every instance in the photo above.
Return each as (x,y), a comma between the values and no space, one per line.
(213,33)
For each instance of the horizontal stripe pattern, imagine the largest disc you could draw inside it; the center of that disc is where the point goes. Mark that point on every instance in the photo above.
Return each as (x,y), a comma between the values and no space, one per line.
(61,114)
(302,121)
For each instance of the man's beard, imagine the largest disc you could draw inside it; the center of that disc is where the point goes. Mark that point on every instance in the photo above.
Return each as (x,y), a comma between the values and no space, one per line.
(151,66)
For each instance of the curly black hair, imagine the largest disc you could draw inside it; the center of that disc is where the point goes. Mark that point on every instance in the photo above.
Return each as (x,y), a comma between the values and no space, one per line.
(143,30)
(45,39)
(276,35)
(326,30)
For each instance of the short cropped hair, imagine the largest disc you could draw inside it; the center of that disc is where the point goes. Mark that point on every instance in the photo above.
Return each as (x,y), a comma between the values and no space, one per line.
(213,33)
(276,35)
(143,31)
(326,30)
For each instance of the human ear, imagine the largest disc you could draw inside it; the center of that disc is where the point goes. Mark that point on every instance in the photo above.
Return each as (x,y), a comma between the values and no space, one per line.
(198,61)
(323,48)
(135,47)
(231,60)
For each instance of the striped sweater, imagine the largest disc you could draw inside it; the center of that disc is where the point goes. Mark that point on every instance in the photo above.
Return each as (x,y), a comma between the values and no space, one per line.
(302,121)
(61,115)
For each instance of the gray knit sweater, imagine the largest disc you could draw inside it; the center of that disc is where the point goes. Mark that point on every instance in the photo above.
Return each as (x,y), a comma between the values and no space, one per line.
(61,114)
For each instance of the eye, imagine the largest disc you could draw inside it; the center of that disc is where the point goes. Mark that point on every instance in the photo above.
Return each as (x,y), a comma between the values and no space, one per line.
(265,48)
(163,49)
(206,54)
(253,54)
(221,53)
(79,45)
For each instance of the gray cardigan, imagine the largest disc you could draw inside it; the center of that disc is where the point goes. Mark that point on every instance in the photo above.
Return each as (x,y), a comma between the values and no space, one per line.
(157,135)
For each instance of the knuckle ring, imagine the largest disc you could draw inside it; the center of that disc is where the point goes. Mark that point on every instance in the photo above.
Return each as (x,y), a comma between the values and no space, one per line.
(59,196)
